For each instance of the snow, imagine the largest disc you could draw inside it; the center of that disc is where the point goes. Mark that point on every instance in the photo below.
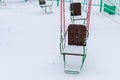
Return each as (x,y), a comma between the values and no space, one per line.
(29,45)
(73,49)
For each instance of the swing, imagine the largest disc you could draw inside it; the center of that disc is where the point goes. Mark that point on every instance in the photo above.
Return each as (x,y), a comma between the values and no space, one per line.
(46,5)
(77,36)
(76,12)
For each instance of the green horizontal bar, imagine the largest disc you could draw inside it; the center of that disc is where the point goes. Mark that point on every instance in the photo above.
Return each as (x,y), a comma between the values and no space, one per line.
(71,72)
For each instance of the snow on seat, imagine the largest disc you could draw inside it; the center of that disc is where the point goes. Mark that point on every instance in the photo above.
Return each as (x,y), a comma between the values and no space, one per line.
(76,40)
(73,50)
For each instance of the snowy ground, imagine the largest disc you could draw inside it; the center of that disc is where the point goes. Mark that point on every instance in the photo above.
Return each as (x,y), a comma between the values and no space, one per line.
(29,45)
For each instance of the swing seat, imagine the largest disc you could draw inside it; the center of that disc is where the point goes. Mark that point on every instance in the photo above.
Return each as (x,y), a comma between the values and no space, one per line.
(73,50)
(76,12)
(46,5)
(77,36)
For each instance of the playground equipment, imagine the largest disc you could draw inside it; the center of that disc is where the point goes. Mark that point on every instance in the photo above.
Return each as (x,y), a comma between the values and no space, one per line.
(109,9)
(46,5)
(2,3)
(76,12)
(77,37)
(112,7)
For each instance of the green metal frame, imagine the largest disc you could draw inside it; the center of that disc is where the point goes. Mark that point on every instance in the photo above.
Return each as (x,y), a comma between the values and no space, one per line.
(99,3)
(113,6)
(73,71)
(64,58)
(109,9)
(72,18)
(61,41)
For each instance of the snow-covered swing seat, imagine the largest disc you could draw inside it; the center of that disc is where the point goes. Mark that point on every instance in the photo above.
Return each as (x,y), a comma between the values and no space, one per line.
(77,36)
(76,12)
(46,5)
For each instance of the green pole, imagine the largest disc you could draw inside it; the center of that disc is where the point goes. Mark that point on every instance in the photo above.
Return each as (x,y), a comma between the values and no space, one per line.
(101,3)
(119,7)
(58,2)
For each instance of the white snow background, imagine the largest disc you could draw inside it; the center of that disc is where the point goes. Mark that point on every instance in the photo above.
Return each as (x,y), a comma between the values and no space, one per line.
(29,44)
